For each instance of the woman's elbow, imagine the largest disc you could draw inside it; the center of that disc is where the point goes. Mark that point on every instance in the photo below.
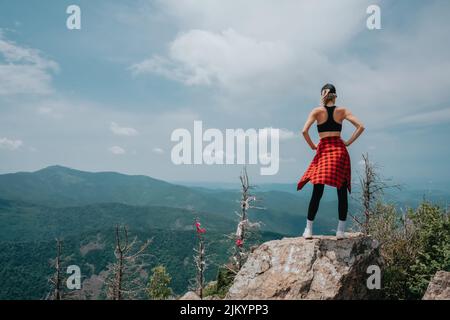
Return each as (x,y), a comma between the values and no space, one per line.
(362,127)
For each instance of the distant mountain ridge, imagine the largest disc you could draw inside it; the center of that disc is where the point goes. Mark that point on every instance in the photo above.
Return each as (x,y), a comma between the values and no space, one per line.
(58,186)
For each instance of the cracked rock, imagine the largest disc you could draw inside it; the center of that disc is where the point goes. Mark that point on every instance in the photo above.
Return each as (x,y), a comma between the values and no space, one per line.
(320,268)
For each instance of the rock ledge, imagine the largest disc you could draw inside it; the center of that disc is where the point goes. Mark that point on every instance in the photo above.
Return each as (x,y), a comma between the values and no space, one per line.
(320,268)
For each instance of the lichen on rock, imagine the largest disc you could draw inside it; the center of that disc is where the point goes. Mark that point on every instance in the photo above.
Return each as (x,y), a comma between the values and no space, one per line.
(439,287)
(320,268)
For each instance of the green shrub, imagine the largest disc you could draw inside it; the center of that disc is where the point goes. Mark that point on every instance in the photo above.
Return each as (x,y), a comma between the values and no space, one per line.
(223,282)
(433,236)
(158,286)
(414,246)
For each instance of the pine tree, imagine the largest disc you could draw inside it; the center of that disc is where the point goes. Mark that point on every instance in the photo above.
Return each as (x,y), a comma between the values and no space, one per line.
(158,286)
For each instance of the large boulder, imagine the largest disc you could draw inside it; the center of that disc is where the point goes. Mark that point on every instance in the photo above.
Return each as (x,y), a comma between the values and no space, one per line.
(320,268)
(439,287)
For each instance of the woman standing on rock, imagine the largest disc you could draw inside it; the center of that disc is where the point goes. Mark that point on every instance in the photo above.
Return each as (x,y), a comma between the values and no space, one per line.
(331,164)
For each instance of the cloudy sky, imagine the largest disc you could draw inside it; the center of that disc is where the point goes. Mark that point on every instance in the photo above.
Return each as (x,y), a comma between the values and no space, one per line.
(108,96)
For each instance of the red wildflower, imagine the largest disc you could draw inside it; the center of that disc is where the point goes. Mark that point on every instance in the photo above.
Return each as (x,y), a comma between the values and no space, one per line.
(199,228)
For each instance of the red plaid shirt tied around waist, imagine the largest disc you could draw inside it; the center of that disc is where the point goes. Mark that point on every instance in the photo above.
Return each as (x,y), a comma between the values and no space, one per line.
(330,166)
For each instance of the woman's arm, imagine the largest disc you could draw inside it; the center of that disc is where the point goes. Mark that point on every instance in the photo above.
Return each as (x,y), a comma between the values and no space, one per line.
(358,125)
(305,131)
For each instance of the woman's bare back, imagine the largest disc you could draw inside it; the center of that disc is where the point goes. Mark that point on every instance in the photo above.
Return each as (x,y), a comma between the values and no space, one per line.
(319,115)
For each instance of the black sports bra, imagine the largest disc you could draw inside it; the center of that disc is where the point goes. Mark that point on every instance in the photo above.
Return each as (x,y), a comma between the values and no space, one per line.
(330,124)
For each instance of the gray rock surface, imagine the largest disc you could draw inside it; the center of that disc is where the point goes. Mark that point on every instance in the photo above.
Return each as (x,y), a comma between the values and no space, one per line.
(190,295)
(439,287)
(320,268)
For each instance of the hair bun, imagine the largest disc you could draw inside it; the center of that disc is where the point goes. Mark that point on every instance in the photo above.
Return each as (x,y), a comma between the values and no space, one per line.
(330,87)
(328,93)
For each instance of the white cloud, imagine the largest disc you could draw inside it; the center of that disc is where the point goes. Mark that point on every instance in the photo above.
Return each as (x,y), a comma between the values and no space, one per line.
(284,134)
(9,144)
(289,49)
(25,70)
(228,59)
(21,79)
(116,150)
(122,131)
(158,150)
(50,111)
(15,53)
(269,47)
(287,134)
(294,21)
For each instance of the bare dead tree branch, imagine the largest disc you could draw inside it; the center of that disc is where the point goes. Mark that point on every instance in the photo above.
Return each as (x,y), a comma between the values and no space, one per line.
(124,274)
(199,259)
(244,227)
(372,186)
(56,279)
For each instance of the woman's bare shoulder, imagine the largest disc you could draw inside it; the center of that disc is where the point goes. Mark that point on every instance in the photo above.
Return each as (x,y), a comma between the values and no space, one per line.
(342,109)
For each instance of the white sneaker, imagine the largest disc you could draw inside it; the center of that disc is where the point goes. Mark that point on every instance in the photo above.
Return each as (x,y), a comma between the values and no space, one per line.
(307,234)
(340,235)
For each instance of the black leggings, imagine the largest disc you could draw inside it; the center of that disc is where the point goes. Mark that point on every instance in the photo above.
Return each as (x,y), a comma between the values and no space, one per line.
(317,195)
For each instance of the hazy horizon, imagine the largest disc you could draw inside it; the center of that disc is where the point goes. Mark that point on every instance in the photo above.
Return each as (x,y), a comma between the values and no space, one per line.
(411,184)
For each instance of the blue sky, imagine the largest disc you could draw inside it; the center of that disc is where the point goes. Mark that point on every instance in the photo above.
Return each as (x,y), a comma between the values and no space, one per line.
(108,96)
